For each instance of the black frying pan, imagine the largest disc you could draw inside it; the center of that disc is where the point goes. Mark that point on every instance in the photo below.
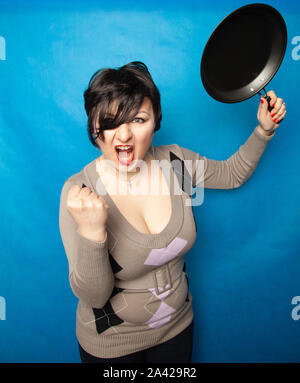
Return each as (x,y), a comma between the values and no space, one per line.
(243,53)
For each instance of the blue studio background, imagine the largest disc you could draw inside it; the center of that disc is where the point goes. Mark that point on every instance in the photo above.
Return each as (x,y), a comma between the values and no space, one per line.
(244,267)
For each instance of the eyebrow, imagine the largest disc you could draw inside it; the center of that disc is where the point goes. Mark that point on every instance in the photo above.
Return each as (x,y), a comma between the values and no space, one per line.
(108,115)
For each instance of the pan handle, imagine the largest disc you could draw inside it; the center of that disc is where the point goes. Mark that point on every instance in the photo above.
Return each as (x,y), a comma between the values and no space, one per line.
(268,98)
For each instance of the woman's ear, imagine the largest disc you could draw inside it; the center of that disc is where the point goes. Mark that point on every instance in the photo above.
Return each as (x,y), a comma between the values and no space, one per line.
(98,142)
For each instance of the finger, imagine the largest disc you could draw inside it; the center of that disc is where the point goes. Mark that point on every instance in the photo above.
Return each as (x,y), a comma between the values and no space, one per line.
(74,191)
(74,203)
(263,108)
(101,204)
(99,198)
(277,106)
(85,191)
(278,115)
(281,117)
(278,109)
(95,197)
(278,102)
(273,97)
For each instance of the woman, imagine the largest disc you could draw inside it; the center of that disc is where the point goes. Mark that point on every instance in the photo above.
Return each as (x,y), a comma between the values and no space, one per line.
(126,249)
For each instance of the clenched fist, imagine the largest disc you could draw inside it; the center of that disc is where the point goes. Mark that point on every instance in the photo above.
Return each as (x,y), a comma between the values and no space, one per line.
(89,211)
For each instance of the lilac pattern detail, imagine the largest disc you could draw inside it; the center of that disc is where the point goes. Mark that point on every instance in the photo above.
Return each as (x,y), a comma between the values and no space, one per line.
(162,316)
(161,256)
(161,295)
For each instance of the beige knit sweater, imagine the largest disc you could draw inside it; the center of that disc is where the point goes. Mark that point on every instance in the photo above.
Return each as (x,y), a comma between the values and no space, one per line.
(132,288)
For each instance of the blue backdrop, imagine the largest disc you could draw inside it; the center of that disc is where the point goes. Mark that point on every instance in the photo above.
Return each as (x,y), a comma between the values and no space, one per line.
(244,267)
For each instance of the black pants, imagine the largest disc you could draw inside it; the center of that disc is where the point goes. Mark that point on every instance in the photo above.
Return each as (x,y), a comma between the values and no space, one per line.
(175,350)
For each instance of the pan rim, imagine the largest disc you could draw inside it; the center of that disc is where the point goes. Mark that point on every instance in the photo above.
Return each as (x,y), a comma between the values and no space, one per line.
(242,93)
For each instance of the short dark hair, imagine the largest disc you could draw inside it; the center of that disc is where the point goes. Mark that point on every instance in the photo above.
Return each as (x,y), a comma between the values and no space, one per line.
(127,85)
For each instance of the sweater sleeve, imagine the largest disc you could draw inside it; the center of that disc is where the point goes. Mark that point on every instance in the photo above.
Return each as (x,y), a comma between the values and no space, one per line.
(230,173)
(90,273)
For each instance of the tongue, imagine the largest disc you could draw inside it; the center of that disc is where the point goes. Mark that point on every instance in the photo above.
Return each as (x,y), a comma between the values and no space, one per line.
(123,155)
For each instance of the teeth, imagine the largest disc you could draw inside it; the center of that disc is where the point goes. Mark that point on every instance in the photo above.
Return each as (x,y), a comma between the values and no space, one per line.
(124,147)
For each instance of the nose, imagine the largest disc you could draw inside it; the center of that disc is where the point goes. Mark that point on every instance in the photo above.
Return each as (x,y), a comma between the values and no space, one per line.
(124,132)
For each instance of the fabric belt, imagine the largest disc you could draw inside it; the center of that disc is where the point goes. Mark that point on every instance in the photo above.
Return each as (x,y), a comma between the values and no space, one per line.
(162,278)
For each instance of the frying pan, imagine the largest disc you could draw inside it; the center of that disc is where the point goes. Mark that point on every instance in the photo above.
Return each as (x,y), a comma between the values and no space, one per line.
(243,53)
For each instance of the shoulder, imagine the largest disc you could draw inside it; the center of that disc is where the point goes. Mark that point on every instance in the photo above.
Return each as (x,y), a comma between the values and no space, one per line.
(168,150)
(181,152)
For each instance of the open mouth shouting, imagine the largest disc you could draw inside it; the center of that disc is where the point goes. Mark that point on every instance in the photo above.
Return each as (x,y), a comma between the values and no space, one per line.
(125,154)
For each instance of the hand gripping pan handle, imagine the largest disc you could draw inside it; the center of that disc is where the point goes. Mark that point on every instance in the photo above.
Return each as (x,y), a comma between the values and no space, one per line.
(268,98)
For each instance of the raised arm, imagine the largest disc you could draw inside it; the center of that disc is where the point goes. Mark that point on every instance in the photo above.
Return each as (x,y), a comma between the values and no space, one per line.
(90,273)
(237,169)
(230,173)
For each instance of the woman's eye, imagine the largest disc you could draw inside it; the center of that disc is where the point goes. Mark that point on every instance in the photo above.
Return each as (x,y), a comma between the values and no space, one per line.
(139,120)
